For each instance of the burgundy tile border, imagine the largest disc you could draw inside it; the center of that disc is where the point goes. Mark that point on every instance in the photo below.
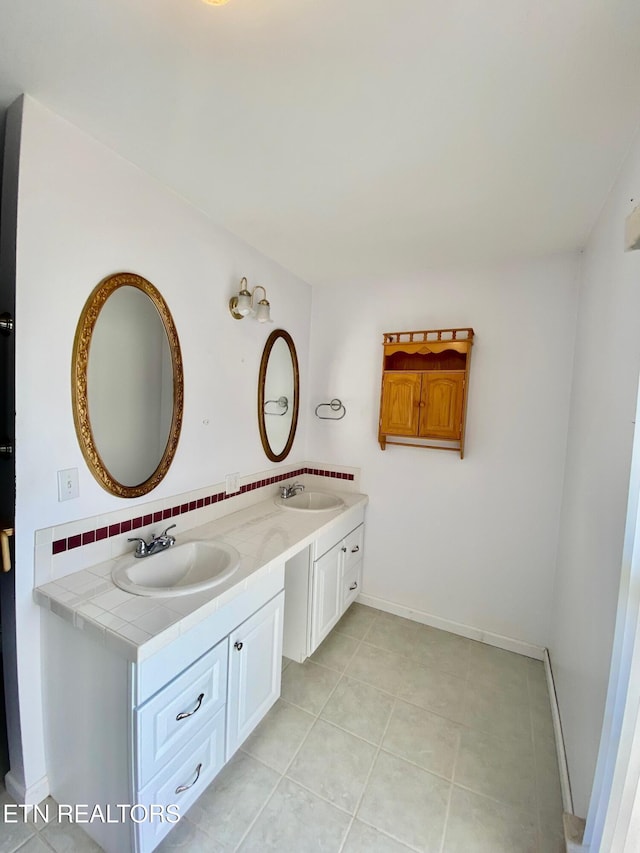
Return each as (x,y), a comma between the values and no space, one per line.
(90,536)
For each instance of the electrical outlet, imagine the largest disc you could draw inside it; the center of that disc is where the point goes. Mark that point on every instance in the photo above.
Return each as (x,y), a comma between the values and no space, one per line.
(68,487)
(232,483)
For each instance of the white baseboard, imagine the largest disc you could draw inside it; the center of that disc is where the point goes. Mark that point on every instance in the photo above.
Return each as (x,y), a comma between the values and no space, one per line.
(32,795)
(567,798)
(507,643)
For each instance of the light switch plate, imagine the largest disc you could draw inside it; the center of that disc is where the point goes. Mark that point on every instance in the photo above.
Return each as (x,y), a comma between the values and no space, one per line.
(232,483)
(68,487)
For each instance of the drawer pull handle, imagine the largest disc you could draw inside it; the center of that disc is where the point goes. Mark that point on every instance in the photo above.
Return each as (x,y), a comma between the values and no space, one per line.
(353,586)
(182,788)
(355,550)
(186,714)
(238,645)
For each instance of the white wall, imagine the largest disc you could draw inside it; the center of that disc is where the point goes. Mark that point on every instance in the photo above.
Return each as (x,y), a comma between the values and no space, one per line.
(84,213)
(603,402)
(471,541)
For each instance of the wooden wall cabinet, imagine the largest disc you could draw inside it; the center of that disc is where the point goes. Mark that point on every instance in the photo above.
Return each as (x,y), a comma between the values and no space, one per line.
(425,380)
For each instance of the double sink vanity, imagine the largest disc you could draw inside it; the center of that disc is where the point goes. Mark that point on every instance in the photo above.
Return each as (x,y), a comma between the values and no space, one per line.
(159,663)
(150,723)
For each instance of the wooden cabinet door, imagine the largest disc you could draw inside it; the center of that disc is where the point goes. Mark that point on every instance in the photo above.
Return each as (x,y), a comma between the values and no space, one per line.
(255,666)
(441,405)
(400,403)
(326,595)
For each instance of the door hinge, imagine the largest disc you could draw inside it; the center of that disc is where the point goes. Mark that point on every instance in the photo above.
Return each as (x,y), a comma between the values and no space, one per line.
(6,324)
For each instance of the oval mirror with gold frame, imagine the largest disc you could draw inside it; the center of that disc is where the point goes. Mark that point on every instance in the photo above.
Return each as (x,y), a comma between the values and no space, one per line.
(278,395)
(127,385)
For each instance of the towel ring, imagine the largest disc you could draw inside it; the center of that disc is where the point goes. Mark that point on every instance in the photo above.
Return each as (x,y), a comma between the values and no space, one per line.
(282,402)
(335,405)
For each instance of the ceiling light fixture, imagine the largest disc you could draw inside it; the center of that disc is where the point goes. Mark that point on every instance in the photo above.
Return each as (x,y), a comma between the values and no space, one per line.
(241,306)
(216,2)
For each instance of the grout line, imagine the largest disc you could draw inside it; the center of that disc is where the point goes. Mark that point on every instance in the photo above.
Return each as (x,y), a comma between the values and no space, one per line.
(369,774)
(450,798)
(535,768)
(294,755)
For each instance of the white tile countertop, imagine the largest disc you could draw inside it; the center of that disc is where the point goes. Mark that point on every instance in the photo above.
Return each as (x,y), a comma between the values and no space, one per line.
(137,626)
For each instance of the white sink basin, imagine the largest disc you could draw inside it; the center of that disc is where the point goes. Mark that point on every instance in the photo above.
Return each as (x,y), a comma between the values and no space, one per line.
(311,502)
(179,570)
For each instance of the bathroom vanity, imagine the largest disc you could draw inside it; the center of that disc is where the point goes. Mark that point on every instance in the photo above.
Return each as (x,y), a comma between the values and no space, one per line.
(150,723)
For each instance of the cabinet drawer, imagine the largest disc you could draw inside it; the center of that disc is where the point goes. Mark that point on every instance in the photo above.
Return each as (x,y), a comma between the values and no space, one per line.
(351,583)
(172,717)
(354,543)
(191,770)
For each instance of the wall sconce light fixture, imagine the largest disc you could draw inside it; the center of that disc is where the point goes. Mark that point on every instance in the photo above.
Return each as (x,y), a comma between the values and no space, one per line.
(241,305)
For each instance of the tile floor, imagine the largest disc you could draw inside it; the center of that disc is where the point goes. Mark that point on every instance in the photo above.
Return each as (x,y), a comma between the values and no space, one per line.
(394,737)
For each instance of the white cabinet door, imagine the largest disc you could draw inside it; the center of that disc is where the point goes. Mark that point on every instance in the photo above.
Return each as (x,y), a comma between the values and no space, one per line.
(255,667)
(327,582)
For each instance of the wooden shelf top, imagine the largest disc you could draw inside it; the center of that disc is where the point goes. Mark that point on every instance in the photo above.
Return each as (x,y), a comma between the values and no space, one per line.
(427,336)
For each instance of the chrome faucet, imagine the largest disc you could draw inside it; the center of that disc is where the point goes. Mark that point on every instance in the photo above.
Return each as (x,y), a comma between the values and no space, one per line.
(155,544)
(290,491)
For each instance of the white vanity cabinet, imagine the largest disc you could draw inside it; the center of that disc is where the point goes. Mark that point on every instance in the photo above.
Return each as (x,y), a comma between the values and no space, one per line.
(321,582)
(255,669)
(337,577)
(181,729)
(155,733)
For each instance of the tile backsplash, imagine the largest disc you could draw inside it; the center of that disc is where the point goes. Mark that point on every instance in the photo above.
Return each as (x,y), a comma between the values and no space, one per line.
(73,546)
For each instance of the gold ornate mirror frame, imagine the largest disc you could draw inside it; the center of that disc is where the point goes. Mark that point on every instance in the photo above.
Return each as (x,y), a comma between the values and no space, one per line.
(271,340)
(79,365)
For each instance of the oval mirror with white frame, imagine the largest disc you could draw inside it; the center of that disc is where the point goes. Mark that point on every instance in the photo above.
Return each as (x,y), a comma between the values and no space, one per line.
(127,385)
(278,392)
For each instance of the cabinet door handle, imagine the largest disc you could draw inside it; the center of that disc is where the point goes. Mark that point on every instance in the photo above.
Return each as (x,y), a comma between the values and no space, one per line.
(182,788)
(355,550)
(344,548)
(353,586)
(186,714)
(238,645)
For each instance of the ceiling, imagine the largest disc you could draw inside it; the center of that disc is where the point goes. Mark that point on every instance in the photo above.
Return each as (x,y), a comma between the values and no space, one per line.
(352,139)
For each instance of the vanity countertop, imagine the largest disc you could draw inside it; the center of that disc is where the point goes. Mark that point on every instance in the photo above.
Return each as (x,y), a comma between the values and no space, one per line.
(136,626)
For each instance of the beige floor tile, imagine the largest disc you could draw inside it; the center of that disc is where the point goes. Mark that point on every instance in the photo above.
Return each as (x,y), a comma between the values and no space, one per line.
(548,781)
(308,685)
(333,764)
(489,664)
(233,800)
(34,845)
(406,802)
(433,690)
(443,651)
(394,634)
(12,835)
(552,843)
(499,767)
(296,821)
(279,735)
(68,838)
(356,621)
(497,709)
(479,825)
(366,839)
(359,708)
(336,651)
(385,670)
(185,837)
(423,738)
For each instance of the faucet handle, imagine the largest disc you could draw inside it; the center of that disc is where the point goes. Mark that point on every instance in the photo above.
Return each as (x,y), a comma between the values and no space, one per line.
(142,549)
(171,526)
